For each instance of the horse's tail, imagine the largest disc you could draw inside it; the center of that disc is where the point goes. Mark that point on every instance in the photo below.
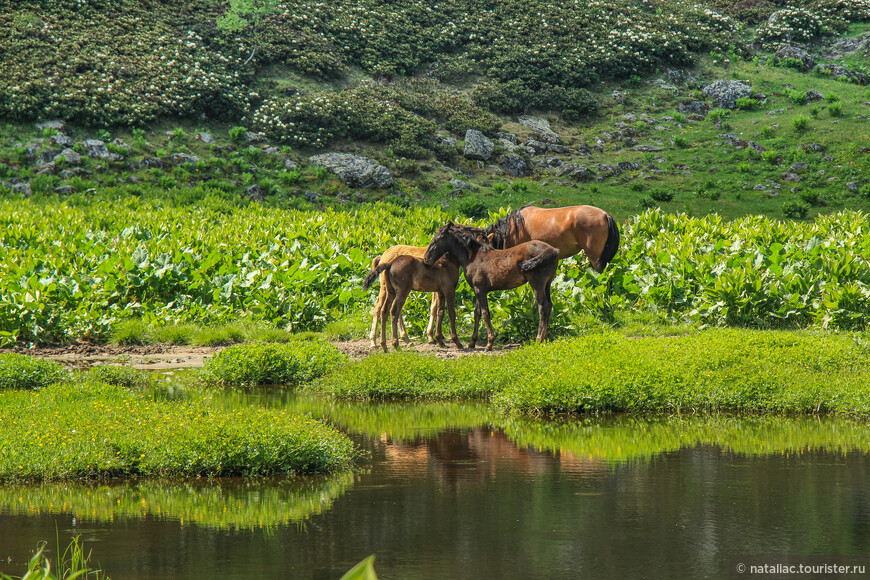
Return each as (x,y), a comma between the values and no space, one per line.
(548,256)
(610,246)
(377,269)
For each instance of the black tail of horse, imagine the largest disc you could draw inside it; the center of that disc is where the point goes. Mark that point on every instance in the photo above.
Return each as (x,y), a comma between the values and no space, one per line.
(548,257)
(377,269)
(610,246)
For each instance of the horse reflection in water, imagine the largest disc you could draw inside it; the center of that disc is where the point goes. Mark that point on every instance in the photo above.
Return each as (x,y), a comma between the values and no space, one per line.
(487,269)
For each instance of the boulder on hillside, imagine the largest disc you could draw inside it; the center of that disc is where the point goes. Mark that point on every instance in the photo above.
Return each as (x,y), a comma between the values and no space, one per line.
(787,51)
(726,93)
(477,146)
(514,165)
(839,72)
(354,170)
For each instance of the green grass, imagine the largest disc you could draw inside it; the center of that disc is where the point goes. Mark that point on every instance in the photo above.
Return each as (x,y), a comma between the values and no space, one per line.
(710,371)
(18,371)
(270,364)
(98,431)
(72,564)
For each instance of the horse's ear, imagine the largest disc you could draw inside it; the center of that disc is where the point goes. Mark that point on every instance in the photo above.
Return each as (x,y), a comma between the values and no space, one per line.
(491,238)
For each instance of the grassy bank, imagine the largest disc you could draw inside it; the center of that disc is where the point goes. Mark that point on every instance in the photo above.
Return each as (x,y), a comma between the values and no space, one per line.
(709,371)
(98,431)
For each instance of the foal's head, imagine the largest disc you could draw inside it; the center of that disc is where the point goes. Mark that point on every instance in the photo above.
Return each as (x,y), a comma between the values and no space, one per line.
(450,240)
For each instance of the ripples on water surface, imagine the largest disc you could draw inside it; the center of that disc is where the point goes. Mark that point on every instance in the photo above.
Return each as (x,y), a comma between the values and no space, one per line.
(452,491)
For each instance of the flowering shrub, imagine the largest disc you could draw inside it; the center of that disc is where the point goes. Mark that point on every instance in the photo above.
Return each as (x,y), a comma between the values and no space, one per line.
(403,119)
(791,25)
(137,68)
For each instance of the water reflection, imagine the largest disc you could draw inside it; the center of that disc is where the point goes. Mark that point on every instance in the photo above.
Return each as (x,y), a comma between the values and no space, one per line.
(228,504)
(455,491)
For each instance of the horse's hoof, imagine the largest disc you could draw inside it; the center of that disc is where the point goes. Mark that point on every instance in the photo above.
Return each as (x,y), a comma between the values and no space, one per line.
(431,341)
(488,348)
(459,345)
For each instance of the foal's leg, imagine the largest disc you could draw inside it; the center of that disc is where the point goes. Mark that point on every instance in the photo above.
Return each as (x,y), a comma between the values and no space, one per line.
(473,342)
(385,314)
(490,333)
(377,310)
(396,311)
(450,299)
(433,312)
(439,318)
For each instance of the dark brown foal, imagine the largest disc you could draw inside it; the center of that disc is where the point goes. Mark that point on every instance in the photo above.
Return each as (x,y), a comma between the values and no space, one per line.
(487,269)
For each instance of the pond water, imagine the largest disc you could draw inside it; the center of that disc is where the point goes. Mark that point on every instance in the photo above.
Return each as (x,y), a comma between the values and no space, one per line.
(453,491)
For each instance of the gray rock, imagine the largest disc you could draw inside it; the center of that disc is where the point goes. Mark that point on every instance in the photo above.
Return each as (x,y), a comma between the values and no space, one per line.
(815,95)
(839,72)
(790,177)
(311,196)
(57,125)
(355,171)
(477,146)
(618,97)
(853,186)
(271,150)
(181,158)
(446,140)
(542,127)
(150,162)
(514,165)
(290,165)
(799,167)
(462,185)
(23,189)
(252,137)
(48,155)
(205,138)
(608,169)
(813,147)
(61,140)
(533,146)
(96,149)
(254,193)
(507,137)
(787,51)
(64,190)
(584,149)
(693,107)
(71,157)
(652,148)
(576,171)
(119,143)
(628,166)
(508,146)
(48,169)
(726,93)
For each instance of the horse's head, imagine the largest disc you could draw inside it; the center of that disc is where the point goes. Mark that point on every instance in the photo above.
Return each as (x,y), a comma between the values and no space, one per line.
(447,240)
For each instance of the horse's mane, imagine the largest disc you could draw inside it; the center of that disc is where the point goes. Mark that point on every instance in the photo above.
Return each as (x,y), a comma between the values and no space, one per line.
(502,228)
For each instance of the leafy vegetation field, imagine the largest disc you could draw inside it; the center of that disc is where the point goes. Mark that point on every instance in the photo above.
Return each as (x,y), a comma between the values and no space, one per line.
(76,268)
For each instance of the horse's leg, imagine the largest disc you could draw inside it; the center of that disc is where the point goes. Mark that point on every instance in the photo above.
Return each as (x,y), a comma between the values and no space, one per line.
(473,342)
(490,333)
(439,336)
(376,313)
(545,307)
(433,312)
(396,311)
(450,298)
(385,314)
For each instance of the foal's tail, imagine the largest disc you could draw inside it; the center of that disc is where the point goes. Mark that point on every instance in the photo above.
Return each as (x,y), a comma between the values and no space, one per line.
(377,269)
(547,257)
(610,246)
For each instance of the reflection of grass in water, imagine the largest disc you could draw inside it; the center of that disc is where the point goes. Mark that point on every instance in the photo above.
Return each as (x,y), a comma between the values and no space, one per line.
(397,420)
(630,438)
(228,505)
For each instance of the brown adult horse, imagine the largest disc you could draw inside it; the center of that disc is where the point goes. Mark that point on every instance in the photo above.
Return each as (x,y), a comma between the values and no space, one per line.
(380,306)
(568,229)
(487,269)
(406,273)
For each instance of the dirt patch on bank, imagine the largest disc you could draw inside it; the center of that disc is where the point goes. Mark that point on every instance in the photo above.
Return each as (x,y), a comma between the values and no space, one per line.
(168,357)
